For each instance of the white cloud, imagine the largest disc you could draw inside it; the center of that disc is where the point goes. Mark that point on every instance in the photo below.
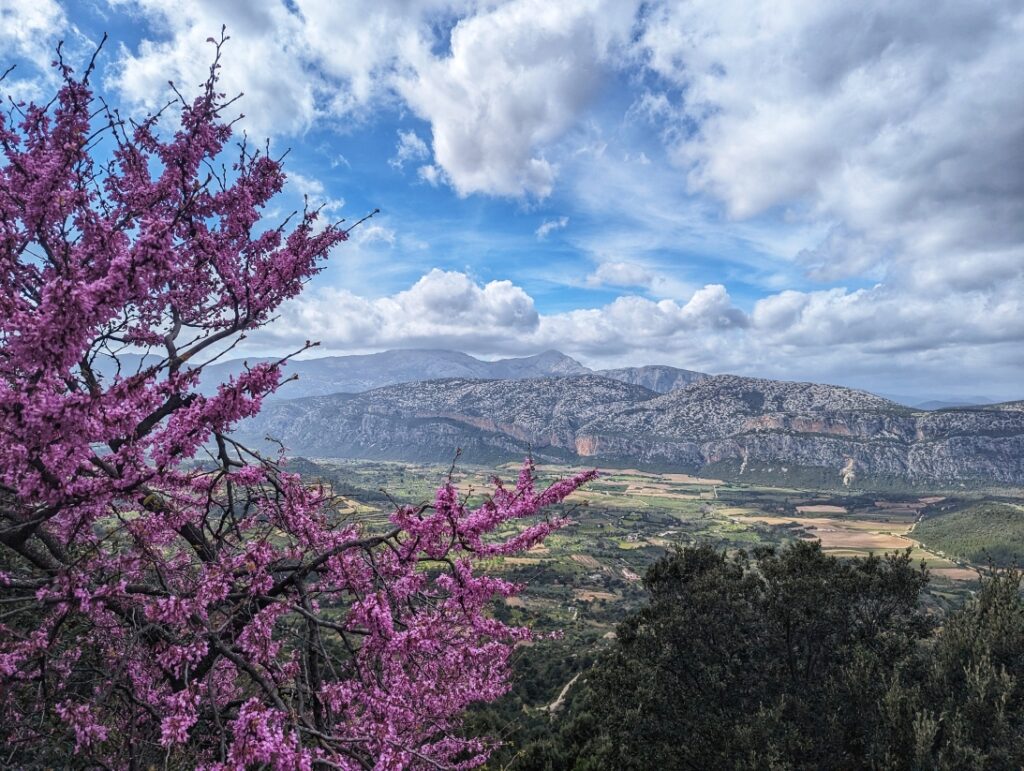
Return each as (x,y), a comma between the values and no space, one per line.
(297,62)
(623,274)
(876,135)
(871,338)
(31,30)
(872,143)
(842,254)
(314,191)
(883,319)
(631,324)
(547,226)
(267,56)
(357,45)
(442,308)
(374,234)
(430,174)
(896,123)
(516,79)
(620,274)
(451,309)
(409,148)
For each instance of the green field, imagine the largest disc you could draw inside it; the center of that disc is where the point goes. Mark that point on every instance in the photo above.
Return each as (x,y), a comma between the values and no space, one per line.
(587,576)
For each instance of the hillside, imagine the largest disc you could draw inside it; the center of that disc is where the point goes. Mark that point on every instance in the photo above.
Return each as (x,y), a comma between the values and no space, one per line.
(724,425)
(488,419)
(981,533)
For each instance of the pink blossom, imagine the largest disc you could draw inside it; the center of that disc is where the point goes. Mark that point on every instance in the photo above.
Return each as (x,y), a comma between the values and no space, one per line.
(82,720)
(165,589)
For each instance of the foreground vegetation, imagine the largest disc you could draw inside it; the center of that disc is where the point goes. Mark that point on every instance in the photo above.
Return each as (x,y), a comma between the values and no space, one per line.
(794,659)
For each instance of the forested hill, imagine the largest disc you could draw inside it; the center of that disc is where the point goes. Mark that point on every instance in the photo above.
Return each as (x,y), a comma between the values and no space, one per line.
(724,425)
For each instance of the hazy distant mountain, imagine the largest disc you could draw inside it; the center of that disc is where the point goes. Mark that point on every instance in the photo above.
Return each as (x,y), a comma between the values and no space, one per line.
(939,402)
(656,377)
(727,425)
(944,404)
(125,364)
(358,373)
(547,364)
(354,374)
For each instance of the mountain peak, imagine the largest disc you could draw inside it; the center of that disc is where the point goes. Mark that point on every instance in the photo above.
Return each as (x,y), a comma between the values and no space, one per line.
(657,377)
(545,364)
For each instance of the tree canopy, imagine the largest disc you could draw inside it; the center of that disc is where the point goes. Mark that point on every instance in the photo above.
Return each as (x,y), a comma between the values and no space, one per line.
(795,659)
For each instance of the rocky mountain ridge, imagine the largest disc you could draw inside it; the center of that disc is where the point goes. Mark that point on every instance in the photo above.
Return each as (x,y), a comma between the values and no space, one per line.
(726,425)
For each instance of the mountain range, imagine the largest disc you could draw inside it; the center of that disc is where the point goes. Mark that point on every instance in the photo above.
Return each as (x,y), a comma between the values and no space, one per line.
(655,417)
(358,373)
(362,372)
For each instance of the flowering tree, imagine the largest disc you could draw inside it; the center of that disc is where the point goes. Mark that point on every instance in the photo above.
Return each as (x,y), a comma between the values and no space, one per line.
(166,594)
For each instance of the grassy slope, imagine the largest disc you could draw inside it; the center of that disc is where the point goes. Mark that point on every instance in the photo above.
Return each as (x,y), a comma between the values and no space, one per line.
(978,533)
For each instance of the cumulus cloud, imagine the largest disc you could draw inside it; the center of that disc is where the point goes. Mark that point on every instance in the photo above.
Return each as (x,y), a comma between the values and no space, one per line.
(442,308)
(881,319)
(357,45)
(508,82)
(451,308)
(269,63)
(516,78)
(297,62)
(31,30)
(763,109)
(877,145)
(631,324)
(547,226)
(858,337)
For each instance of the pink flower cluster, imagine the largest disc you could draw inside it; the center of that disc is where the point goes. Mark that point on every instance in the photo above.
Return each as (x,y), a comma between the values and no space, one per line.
(170,595)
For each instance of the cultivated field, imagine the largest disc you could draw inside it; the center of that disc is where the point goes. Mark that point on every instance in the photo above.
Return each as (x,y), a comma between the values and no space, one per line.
(589,574)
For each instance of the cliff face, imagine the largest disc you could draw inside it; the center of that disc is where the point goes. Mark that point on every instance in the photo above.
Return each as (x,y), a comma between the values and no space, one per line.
(732,425)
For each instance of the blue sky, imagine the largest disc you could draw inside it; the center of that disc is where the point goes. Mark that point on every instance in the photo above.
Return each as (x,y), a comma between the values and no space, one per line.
(806,190)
